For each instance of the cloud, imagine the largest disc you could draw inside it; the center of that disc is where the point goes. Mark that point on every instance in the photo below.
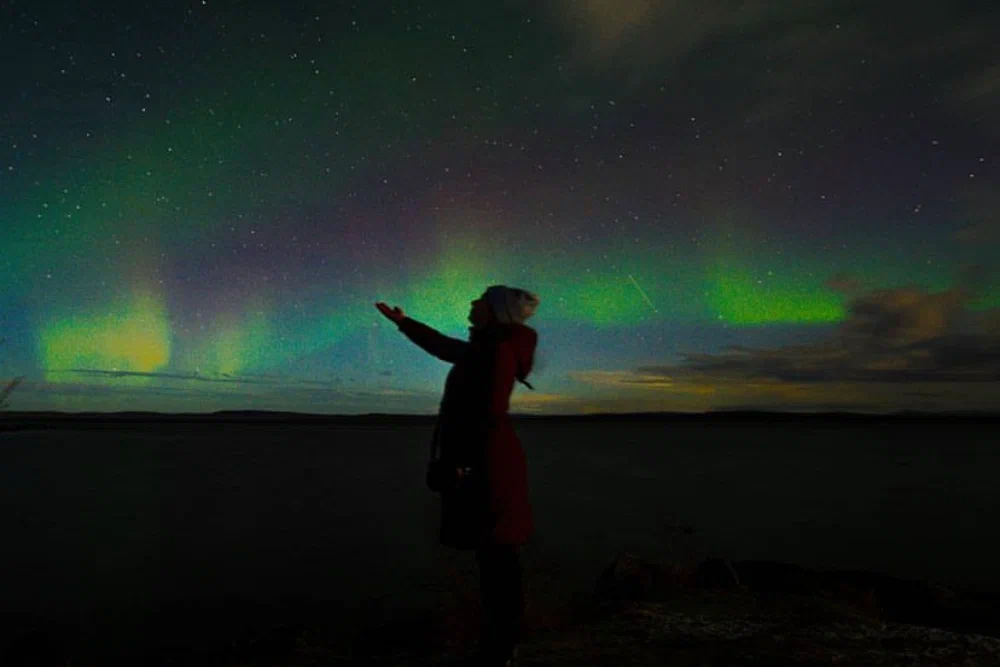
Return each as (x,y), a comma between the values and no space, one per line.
(193,377)
(674,27)
(845,284)
(276,383)
(982,232)
(293,394)
(981,89)
(895,335)
(897,348)
(894,319)
(789,53)
(980,204)
(655,31)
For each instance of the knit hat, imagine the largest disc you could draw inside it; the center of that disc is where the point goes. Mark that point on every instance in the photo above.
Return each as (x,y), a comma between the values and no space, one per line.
(510,304)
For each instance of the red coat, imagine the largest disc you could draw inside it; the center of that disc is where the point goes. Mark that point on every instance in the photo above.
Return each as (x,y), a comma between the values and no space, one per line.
(476,430)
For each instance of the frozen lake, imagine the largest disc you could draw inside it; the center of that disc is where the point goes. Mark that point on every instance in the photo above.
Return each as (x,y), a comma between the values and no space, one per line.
(117,526)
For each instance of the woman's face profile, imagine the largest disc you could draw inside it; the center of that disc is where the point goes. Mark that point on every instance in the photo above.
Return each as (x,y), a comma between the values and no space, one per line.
(480,313)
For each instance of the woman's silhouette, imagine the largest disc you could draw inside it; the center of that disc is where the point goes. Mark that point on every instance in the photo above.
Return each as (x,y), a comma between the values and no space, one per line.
(489,512)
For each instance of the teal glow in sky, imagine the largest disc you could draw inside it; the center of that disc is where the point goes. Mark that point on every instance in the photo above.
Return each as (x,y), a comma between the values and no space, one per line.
(719,207)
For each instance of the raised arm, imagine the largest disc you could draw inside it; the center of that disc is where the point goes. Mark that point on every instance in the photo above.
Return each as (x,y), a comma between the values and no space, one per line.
(443,347)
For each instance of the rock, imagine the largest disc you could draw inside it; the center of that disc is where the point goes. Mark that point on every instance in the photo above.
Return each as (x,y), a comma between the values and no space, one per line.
(899,597)
(631,578)
(716,573)
(776,577)
(875,596)
(883,596)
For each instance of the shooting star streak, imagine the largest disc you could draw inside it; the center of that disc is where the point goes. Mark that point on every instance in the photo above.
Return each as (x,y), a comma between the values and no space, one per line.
(642,293)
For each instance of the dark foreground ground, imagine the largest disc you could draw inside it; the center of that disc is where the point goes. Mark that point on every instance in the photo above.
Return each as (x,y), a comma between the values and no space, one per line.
(640,613)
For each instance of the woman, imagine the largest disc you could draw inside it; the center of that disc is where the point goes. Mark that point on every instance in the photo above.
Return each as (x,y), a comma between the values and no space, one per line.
(490,512)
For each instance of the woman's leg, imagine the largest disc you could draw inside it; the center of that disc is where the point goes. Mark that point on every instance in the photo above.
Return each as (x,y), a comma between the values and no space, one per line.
(501,586)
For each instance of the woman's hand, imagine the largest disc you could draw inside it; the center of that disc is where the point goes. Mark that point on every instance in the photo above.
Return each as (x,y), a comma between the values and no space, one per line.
(395,314)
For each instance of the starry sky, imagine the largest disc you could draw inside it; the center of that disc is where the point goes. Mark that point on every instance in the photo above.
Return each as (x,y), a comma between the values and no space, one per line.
(721,204)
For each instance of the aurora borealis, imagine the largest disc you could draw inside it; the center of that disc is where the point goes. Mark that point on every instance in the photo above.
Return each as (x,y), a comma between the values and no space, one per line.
(720,204)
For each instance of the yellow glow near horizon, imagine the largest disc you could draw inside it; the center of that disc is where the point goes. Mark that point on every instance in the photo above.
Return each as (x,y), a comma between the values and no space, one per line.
(135,337)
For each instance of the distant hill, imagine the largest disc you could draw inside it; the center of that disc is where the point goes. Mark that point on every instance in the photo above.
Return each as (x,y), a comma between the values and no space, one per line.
(23,420)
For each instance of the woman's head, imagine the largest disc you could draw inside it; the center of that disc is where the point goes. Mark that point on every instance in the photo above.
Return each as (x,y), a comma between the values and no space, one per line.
(480,315)
(503,305)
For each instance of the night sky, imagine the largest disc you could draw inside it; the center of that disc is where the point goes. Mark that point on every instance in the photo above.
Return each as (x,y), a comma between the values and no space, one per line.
(720,204)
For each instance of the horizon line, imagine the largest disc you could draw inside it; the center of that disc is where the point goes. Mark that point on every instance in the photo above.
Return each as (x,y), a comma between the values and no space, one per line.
(6,415)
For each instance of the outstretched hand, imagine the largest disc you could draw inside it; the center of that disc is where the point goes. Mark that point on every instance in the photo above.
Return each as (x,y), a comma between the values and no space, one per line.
(395,314)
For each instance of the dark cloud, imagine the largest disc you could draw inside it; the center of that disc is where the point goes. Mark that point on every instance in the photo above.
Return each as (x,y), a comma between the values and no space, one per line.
(194,377)
(845,284)
(788,53)
(980,89)
(982,232)
(300,394)
(837,406)
(981,206)
(278,382)
(902,335)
